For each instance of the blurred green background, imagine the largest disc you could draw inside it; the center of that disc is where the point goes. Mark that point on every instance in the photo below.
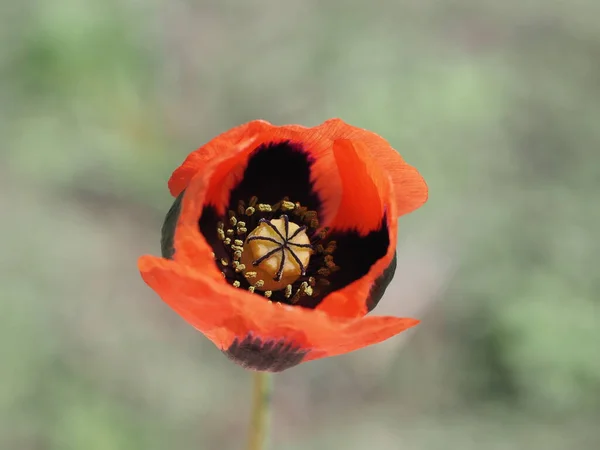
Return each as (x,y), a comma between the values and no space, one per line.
(497,104)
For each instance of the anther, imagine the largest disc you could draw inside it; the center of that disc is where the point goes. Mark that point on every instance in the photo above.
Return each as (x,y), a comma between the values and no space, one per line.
(263,207)
(288,291)
(233,220)
(250,210)
(238,242)
(236,284)
(229,232)
(224,261)
(250,274)
(324,272)
(241,207)
(268,294)
(287,205)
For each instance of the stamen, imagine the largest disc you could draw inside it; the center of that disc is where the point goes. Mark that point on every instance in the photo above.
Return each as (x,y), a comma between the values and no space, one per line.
(241,207)
(287,205)
(274,255)
(324,272)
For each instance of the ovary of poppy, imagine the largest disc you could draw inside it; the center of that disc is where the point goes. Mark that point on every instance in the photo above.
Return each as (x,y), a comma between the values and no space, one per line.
(335,191)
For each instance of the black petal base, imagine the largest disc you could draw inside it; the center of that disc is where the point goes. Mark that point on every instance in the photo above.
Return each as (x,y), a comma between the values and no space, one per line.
(265,355)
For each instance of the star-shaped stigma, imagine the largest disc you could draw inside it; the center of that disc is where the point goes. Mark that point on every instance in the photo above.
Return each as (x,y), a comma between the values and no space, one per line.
(284,242)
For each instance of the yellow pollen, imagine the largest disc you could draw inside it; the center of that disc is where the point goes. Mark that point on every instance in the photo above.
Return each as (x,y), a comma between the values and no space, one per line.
(278,251)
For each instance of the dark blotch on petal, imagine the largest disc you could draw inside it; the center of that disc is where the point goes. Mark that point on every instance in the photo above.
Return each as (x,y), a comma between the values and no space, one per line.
(355,254)
(208,227)
(274,171)
(265,355)
(381,284)
(168,228)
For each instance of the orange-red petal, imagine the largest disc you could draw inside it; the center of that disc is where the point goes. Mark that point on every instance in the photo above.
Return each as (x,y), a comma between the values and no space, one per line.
(219,148)
(411,191)
(226,314)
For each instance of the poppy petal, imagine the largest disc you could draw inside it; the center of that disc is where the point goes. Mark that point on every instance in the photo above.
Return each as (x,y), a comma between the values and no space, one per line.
(256,333)
(362,333)
(229,159)
(411,191)
(361,296)
(365,188)
(219,148)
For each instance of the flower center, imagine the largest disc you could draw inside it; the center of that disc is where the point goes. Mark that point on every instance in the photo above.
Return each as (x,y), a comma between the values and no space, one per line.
(278,251)
(287,257)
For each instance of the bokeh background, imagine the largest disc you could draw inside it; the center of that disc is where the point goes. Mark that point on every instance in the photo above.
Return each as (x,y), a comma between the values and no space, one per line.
(496,102)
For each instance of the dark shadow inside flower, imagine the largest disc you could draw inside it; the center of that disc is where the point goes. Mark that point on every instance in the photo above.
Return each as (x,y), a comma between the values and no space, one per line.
(275,194)
(275,171)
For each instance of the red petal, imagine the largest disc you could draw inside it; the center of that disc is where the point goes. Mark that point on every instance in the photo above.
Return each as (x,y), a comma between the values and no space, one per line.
(365,188)
(223,313)
(362,333)
(351,301)
(219,148)
(410,188)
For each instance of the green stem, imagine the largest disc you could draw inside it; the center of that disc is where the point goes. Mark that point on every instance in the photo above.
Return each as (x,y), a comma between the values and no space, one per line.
(261,411)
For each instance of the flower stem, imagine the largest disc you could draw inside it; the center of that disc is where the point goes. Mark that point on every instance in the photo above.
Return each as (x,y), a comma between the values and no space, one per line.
(261,411)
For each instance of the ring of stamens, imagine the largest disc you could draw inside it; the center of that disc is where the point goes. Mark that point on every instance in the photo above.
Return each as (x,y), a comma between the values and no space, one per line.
(294,250)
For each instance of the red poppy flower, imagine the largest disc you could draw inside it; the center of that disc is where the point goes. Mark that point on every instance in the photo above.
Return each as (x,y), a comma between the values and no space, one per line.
(282,238)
